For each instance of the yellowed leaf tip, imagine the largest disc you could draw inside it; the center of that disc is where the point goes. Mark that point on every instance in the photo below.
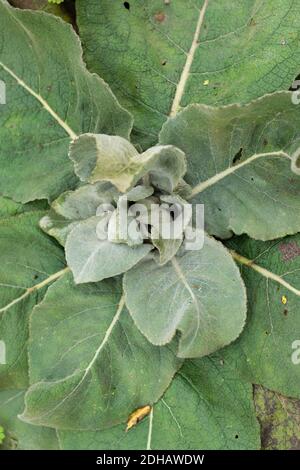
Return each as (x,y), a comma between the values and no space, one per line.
(137,416)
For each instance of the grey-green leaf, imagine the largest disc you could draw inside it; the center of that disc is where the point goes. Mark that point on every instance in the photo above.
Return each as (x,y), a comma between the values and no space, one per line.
(92,259)
(200,293)
(165,164)
(89,364)
(167,248)
(139,192)
(50,99)
(239,165)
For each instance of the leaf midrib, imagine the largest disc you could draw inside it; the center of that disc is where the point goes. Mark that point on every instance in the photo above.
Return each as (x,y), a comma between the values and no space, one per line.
(34,288)
(41,100)
(87,369)
(199,188)
(180,88)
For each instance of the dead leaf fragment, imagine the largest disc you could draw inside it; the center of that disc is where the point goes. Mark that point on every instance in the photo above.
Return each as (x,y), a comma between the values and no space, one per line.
(137,416)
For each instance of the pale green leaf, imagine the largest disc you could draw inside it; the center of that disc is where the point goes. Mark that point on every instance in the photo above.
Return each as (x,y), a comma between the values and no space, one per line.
(119,232)
(104,158)
(57,226)
(200,293)
(139,192)
(92,259)
(165,165)
(73,206)
(89,365)
(167,248)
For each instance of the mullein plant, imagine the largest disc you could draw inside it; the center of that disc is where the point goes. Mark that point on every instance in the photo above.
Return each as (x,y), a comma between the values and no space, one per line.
(106,324)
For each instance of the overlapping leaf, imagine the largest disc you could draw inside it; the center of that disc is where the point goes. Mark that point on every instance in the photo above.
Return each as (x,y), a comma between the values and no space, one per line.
(90,367)
(239,165)
(89,364)
(279,417)
(20,435)
(159,55)
(266,353)
(200,293)
(206,407)
(50,98)
(93,259)
(72,207)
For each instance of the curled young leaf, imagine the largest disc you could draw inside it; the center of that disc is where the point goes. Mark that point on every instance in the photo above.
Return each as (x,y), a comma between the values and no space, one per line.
(72,207)
(160,56)
(99,157)
(104,158)
(204,391)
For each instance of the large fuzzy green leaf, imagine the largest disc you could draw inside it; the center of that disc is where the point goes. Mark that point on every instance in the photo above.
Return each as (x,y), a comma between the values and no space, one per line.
(50,99)
(89,365)
(28,260)
(158,56)
(200,293)
(266,353)
(239,164)
(206,407)
(20,435)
